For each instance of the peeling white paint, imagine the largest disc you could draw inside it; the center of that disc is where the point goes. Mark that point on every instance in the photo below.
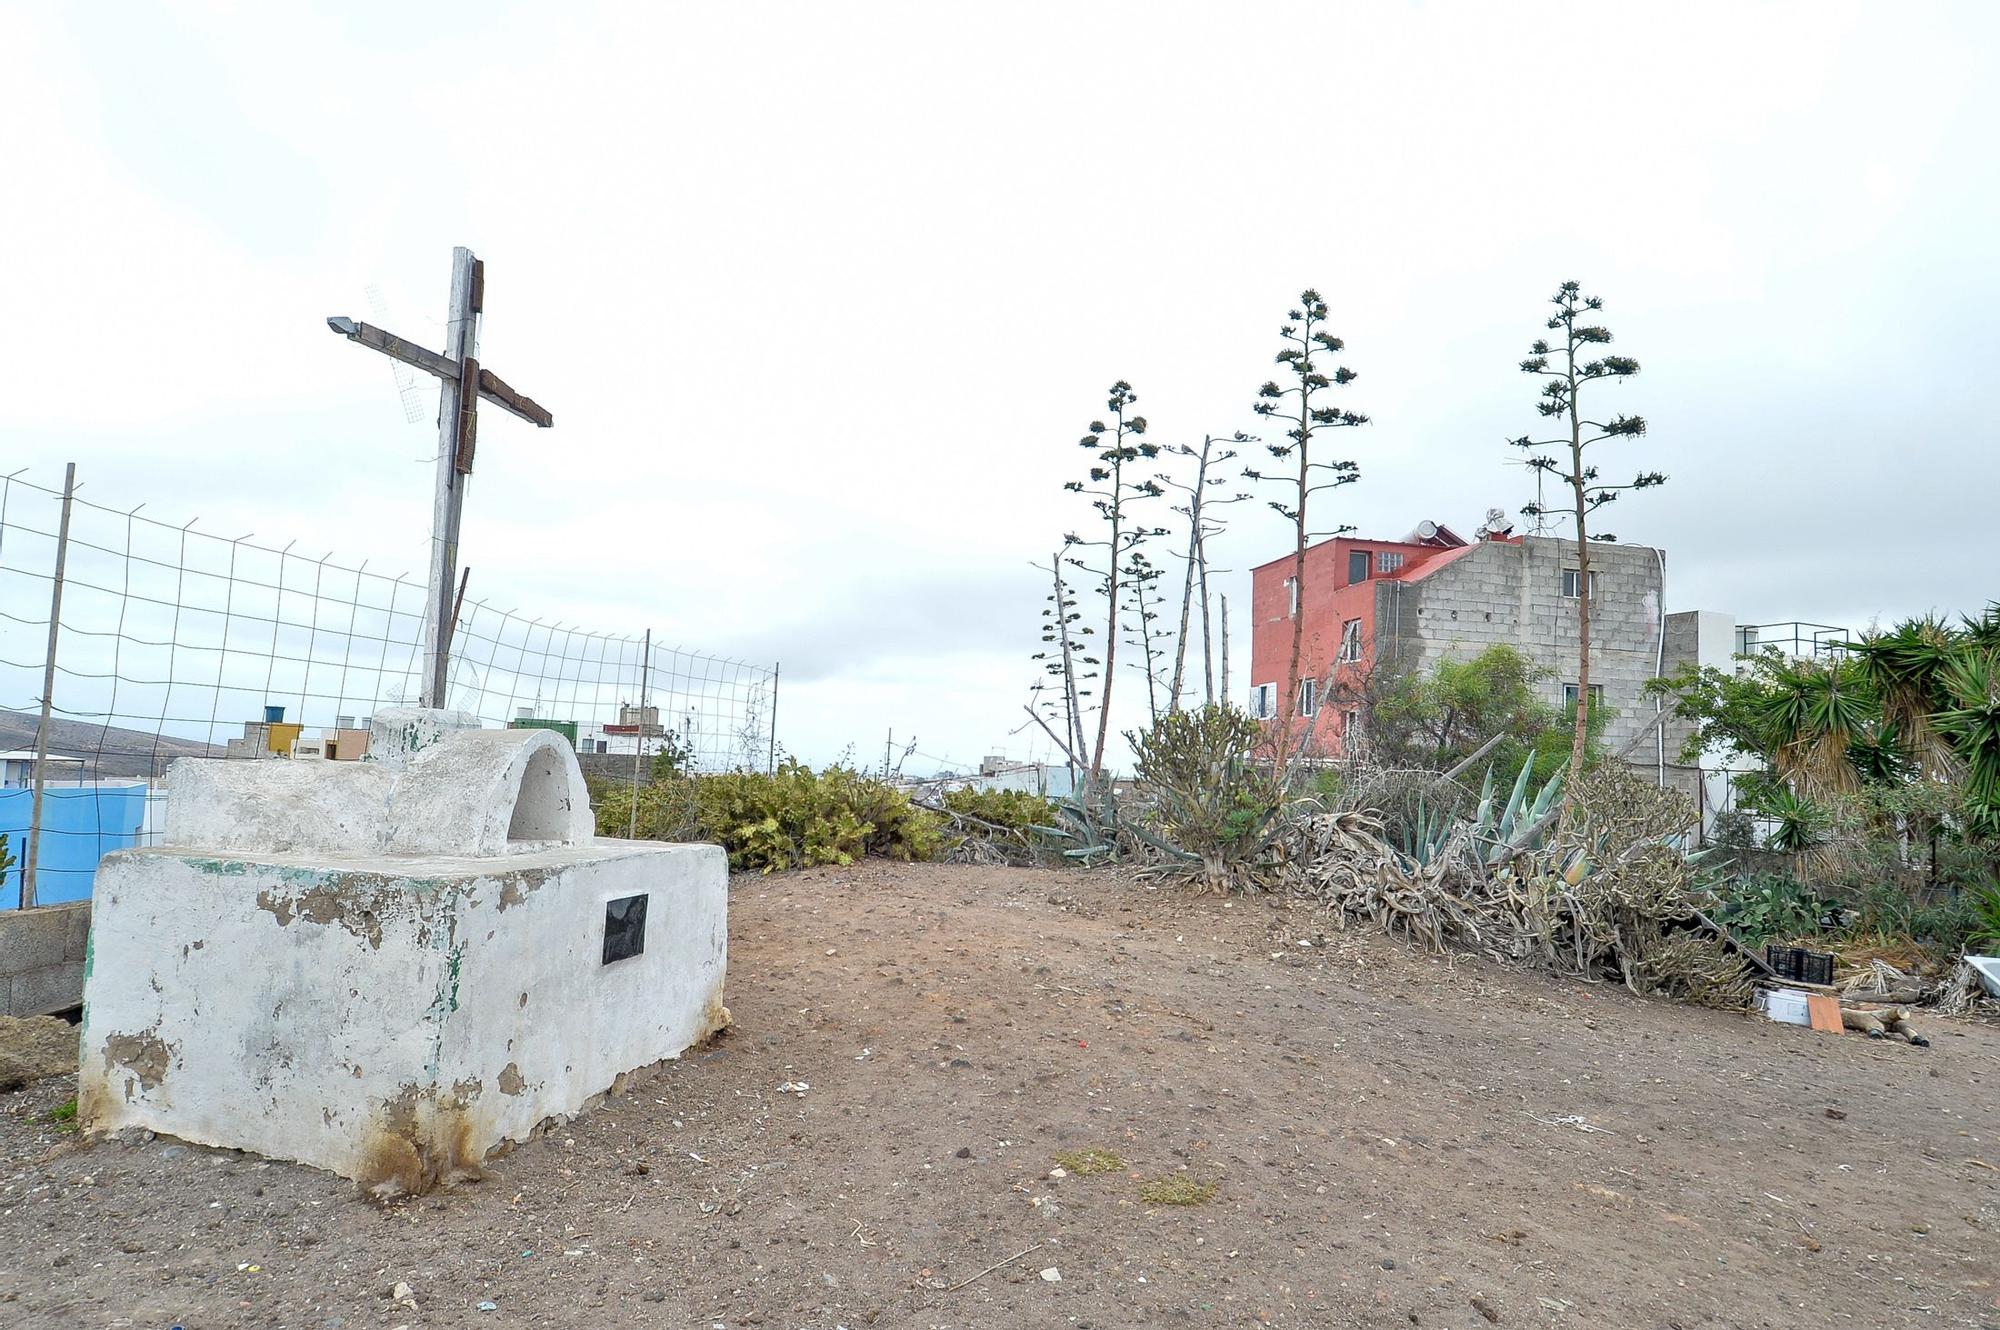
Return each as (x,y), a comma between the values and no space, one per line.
(392,1017)
(472,792)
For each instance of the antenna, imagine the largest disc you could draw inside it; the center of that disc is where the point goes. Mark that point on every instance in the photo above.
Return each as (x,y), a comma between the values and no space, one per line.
(1541,518)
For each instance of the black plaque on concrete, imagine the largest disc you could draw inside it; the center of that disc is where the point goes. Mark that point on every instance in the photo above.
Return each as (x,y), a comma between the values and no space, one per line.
(624,928)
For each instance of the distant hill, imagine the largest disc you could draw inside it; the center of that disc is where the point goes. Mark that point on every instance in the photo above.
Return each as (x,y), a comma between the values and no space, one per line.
(107,750)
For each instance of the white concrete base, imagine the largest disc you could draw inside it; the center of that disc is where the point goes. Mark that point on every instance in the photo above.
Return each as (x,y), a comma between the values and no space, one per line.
(395,1019)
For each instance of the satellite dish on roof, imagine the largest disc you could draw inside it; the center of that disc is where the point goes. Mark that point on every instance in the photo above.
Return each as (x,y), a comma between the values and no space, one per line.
(1427,530)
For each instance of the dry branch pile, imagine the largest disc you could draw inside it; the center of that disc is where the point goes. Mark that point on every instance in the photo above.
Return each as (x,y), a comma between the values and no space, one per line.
(1605,897)
(1959,993)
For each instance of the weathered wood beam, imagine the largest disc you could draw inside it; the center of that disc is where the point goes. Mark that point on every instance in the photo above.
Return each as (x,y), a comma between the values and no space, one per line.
(498,393)
(468,417)
(491,386)
(375,339)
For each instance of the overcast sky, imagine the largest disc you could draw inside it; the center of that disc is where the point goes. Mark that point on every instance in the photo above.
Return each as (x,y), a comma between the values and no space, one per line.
(822,296)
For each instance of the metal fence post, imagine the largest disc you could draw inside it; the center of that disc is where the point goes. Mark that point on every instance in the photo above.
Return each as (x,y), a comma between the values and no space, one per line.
(771,758)
(30,864)
(639,739)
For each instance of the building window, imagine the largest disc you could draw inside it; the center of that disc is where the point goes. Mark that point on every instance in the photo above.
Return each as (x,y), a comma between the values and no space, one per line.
(1350,725)
(1571,582)
(1292,597)
(1264,701)
(1350,640)
(1387,561)
(1308,697)
(1357,566)
(1596,696)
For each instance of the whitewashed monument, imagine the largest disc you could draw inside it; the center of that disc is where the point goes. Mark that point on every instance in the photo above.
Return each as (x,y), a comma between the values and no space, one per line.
(392,968)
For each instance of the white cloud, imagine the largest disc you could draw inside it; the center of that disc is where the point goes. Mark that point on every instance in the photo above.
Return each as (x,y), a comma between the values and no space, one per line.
(821,296)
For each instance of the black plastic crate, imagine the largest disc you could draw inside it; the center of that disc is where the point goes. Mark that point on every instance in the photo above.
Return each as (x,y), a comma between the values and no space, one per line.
(1800,965)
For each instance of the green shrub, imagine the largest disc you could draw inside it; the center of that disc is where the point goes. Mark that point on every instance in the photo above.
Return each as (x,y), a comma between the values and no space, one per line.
(1949,928)
(1883,909)
(1016,810)
(1002,826)
(675,758)
(768,821)
(1983,907)
(1769,907)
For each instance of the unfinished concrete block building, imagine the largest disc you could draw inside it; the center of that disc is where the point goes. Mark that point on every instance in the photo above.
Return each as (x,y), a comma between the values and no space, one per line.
(1434,595)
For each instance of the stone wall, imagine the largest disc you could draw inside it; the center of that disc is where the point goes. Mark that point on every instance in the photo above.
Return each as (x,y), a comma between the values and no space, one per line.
(41,958)
(615,768)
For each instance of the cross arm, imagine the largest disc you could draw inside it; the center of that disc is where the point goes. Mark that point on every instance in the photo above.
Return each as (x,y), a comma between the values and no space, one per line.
(494,390)
(491,386)
(375,339)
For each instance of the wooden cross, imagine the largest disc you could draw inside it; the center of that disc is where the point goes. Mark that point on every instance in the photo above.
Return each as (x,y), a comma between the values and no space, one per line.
(463,383)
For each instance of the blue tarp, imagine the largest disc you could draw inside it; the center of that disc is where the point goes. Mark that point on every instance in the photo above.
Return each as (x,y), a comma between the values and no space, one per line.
(80,825)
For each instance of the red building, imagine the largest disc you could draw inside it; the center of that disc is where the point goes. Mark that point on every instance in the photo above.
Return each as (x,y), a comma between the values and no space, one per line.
(1342,585)
(1433,596)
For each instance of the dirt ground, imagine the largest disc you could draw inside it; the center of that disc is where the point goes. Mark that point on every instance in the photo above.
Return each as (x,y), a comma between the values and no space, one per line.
(34,1047)
(1394,1140)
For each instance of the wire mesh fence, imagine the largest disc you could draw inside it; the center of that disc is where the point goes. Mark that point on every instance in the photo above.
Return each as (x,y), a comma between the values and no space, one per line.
(172,642)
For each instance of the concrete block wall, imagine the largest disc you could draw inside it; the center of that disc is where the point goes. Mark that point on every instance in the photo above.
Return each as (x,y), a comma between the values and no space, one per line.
(1511,592)
(615,768)
(41,958)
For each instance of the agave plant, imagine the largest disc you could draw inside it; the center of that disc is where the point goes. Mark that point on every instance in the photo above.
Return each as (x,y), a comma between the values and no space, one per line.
(1093,826)
(1520,824)
(1496,833)
(1422,841)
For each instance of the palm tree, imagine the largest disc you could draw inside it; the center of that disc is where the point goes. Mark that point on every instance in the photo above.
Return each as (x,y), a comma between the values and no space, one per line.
(1813,712)
(1903,667)
(1971,721)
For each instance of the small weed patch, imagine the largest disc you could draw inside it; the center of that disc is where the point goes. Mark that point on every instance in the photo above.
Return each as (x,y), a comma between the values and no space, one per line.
(1177,1189)
(63,1115)
(1084,1163)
